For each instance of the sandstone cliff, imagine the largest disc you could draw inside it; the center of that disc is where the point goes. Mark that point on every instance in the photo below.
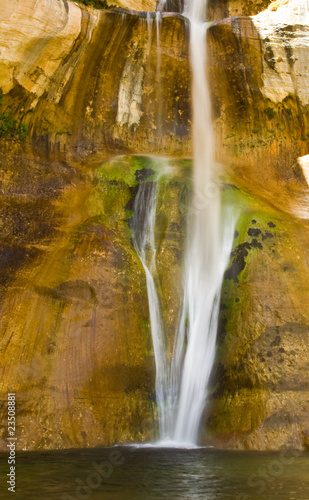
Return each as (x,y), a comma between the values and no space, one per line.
(87,85)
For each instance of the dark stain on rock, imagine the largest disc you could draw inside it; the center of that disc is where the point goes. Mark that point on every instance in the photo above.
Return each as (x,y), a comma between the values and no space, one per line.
(253,221)
(276,342)
(133,191)
(66,6)
(143,174)
(254,231)
(289,54)
(239,255)
(13,258)
(286,34)
(70,290)
(228,185)
(256,244)
(221,332)
(217,380)
(239,263)
(267,235)
(279,419)
(269,56)
(236,234)
(271,224)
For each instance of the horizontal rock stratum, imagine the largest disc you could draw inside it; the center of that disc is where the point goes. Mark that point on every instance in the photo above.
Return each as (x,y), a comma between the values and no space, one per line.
(88,85)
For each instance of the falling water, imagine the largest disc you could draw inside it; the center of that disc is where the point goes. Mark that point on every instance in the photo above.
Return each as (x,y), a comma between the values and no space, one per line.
(207,253)
(143,226)
(181,386)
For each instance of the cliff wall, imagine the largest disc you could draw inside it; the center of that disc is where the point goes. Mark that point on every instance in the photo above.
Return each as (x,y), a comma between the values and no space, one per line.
(80,86)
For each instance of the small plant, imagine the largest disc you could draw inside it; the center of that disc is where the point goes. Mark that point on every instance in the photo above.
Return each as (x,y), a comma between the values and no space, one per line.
(270,113)
(22,131)
(9,127)
(46,124)
(274,5)
(62,132)
(255,130)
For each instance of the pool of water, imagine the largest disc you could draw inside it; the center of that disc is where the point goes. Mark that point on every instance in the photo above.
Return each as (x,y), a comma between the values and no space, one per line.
(148,473)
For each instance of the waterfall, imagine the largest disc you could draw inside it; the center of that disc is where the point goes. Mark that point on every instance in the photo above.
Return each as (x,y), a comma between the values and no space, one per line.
(206,256)
(143,226)
(181,385)
(170,5)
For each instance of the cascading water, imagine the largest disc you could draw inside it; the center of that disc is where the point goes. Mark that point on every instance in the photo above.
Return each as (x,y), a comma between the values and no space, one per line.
(207,253)
(181,386)
(143,226)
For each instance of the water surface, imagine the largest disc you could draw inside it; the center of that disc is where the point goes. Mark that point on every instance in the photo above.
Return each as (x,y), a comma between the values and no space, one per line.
(155,473)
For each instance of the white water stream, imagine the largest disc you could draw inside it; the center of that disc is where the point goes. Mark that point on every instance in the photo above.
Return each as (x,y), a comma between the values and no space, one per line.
(207,252)
(181,386)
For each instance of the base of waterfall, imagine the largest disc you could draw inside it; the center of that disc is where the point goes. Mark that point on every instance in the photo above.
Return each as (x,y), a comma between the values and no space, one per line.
(167,443)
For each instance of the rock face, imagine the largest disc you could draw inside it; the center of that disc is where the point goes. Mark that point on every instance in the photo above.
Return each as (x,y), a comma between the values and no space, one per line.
(77,348)
(84,85)
(70,83)
(262,129)
(259,393)
(230,8)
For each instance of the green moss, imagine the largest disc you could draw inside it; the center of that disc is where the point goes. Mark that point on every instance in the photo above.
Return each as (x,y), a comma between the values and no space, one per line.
(241,412)
(9,128)
(97,4)
(62,132)
(254,239)
(120,170)
(270,113)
